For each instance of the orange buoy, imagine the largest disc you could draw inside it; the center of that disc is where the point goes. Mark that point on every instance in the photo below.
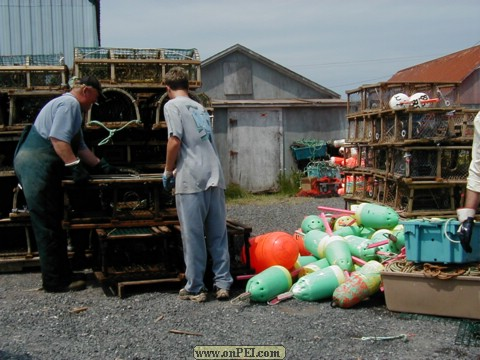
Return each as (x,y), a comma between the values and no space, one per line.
(274,248)
(298,237)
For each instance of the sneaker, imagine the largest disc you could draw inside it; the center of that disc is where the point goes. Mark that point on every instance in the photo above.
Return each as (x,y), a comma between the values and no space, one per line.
(197,297)
(222,294)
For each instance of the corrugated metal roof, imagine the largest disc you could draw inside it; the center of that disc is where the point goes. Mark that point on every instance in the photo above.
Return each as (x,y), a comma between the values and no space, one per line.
(455,67)
(42,27)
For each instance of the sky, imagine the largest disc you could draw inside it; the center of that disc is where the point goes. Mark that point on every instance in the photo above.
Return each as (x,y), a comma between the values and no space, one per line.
(341,44)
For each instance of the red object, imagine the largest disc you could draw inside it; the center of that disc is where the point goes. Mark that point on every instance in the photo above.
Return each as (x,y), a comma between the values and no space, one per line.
(322,187)
(275,248)
(351,162)
(298,237)
(337,160)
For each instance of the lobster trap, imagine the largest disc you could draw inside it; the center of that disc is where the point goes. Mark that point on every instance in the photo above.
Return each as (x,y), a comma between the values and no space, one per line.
(431,162)
(426,126)
(376,97)
(461,125)
(427,198)
(373,158)
(127,67)
(105,202)
(32,72)
(21,109)
(385,129)
(361,129)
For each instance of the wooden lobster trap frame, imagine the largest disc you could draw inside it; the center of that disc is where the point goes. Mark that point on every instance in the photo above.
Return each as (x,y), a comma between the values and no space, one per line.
(20,73)
(439,163)
(21,108)
(145,68)
(376,97)
(461,126)
(427,198)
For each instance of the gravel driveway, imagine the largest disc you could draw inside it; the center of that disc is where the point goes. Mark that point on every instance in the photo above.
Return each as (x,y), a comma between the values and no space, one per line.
(155,324)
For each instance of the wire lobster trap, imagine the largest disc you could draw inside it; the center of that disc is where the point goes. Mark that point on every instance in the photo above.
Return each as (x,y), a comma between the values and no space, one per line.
(366,157)
(455,162)
(354,102)
(32,72)
(417,199)
(377,186)
(363,189)
(416,163)
(389,195)
(381,159)
(117,109)
(385,129)
(356,129)
(461,126)
(376,97)
(128,67)
(430,126)
(21,109)
(448,163)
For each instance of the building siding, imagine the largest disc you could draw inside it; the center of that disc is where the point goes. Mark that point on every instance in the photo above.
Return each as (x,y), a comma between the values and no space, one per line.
(264,81)
(44,27)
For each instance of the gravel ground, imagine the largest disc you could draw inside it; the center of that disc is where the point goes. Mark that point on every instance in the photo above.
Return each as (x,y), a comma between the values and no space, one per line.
(91,325)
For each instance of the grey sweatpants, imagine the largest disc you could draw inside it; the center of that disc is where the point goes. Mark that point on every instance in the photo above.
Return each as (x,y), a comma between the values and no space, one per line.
(204,228)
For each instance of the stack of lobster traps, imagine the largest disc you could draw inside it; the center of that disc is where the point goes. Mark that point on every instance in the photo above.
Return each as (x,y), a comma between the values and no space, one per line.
(414,147)
(126,224)
(27,82)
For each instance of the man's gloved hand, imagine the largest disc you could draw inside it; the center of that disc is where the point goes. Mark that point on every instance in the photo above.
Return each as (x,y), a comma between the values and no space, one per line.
(103,167)
(80,174)
(168,180)
(464,232)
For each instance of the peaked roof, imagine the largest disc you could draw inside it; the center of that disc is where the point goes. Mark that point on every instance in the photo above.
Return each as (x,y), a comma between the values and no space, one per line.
(269,63)
(453,68)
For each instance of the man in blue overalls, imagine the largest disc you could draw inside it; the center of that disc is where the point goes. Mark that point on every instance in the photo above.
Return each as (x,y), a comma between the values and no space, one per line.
(47,151)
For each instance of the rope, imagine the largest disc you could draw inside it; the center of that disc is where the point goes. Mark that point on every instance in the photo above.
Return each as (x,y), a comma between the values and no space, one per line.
(242,298)
(445,233)
(442,272)
(112,131)
(438,272)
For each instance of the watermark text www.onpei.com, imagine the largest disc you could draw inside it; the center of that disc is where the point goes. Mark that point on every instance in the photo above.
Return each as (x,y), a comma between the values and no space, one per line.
(221,352)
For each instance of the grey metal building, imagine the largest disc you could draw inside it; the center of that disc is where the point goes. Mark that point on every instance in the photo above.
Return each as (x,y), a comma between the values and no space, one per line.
(45,27)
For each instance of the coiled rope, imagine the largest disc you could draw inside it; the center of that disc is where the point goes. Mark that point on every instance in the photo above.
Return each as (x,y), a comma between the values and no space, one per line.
(442,272)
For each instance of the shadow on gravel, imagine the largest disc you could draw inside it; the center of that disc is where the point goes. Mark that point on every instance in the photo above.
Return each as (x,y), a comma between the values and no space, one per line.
(4,355)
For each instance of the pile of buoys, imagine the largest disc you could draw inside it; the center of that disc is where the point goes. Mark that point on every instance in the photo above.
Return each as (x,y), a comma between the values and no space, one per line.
(316,263)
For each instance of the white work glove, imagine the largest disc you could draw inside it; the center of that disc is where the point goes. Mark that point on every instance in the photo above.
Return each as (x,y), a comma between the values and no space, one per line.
(465,217)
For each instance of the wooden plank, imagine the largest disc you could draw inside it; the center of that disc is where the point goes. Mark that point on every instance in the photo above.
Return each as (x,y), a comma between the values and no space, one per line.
(18,263)
(121,285)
